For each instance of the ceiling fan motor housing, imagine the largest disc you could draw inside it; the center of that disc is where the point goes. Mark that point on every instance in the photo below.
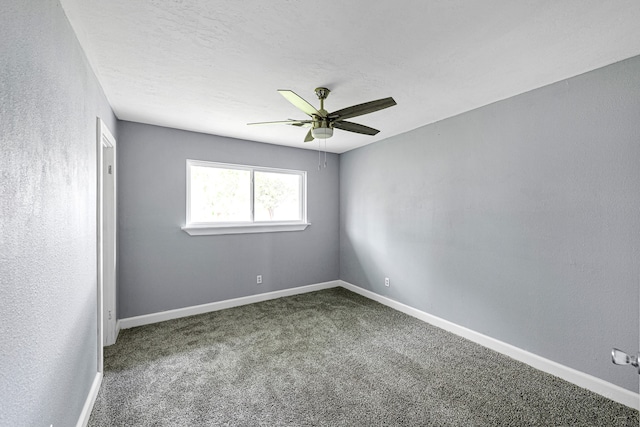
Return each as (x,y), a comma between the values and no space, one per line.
(321,129)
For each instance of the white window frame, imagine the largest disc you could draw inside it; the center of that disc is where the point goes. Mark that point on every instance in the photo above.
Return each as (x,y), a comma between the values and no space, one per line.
(251,226)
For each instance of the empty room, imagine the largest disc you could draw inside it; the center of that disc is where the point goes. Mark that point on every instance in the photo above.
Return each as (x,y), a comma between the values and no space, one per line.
(319,214)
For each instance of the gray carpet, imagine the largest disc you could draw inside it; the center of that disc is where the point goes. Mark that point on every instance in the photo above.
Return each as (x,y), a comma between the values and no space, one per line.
(328,358)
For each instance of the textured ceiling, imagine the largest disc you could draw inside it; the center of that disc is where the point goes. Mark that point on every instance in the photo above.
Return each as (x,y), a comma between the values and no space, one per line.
(213,66)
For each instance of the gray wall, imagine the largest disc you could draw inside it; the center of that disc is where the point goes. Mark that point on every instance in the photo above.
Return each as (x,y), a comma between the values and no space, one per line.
(519,220)
(163,268)
(49,100)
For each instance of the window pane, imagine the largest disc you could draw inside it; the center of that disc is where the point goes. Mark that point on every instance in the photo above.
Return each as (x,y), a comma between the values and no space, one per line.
(277,196)
(220,195)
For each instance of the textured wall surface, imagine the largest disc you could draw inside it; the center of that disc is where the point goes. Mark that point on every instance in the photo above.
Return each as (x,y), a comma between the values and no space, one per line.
(162,267)
(519,220)
(49,100)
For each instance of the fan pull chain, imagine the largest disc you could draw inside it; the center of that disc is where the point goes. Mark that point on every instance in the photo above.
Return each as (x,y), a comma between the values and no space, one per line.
(325,153)
(319,155)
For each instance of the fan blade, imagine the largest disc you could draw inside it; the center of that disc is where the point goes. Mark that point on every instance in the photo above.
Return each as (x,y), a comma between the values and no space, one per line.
(360,109)
(309,137)
(284,122)
(355,127)
(299,102)
(302,123)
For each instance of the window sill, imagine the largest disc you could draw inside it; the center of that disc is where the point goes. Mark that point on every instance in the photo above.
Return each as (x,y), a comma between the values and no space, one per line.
(209,230)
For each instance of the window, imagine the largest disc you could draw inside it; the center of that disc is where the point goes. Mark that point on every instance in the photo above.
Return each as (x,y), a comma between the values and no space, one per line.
(229,199)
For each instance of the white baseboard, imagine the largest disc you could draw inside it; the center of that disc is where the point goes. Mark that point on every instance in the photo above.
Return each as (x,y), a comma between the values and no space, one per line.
(131,322)
(596,385)
(83,420)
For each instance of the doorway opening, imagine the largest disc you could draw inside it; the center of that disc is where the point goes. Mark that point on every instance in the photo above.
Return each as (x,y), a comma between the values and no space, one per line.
(106,227)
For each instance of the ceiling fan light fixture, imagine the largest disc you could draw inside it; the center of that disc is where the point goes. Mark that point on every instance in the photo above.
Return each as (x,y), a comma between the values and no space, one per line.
(322,133)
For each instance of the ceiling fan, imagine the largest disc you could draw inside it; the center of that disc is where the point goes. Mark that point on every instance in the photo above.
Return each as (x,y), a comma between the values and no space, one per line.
(322,122)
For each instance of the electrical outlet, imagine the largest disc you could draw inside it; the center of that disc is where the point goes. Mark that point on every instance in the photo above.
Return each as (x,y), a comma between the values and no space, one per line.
(386,282)
(259,279)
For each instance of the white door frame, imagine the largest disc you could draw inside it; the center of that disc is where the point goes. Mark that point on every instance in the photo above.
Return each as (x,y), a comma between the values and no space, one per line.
(106,210)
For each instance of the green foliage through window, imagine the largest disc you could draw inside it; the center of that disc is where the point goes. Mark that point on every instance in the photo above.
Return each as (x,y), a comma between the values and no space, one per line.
(277,196)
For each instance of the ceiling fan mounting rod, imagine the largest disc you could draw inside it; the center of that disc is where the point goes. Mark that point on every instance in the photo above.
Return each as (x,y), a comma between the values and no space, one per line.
(322,93)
